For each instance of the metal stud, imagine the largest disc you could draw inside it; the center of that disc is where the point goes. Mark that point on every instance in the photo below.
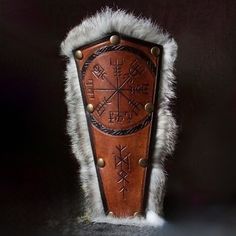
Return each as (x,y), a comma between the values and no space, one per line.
(100,162)
(90,108)
(115,39)
(79,54)
(143,162)
(149,108)
(137,214)
(110,213)
(155,51)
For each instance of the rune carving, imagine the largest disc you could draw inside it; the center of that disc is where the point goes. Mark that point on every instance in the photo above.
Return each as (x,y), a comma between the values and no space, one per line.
(122,164)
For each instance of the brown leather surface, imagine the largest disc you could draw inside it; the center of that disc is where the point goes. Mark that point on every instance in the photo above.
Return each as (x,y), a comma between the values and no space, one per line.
(118,80)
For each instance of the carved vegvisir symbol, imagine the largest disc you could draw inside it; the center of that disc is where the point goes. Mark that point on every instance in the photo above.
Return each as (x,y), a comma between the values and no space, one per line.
(122,164)
(118,89)
(118,84)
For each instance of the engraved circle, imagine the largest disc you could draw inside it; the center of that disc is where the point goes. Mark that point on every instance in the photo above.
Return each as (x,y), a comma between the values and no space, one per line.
(118,80)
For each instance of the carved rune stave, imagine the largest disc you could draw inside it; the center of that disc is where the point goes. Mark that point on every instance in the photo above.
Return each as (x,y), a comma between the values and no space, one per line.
(90,88)
(122,163)
(99,72)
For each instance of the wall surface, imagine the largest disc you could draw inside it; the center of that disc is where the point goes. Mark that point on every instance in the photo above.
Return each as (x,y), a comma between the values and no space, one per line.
(37,170)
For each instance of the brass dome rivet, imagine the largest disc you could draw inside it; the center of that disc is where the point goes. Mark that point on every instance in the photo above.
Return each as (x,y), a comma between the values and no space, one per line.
(137,214)
(79,54)
(111,213)
(100,162)
(155,51)
(90,108)
(115,39)
(143,162)
(149,108)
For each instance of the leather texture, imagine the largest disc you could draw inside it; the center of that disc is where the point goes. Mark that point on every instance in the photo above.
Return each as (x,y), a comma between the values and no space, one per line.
(119,83)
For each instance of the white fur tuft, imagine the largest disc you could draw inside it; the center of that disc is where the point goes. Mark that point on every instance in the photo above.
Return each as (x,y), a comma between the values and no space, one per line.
(151,219)
(154,219)
(93,28)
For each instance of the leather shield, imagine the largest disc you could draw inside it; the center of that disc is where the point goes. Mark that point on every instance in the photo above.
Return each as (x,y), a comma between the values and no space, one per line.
(118,76)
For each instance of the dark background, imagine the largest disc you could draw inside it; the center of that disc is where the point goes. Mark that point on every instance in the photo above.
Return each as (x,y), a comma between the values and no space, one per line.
(38,181)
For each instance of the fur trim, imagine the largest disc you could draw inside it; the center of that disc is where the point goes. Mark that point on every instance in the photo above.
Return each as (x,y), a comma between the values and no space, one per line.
(94,28)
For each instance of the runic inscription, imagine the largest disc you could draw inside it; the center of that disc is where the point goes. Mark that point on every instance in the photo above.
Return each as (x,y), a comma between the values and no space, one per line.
(139,89)
(122,164)
(119,117)
(90,88)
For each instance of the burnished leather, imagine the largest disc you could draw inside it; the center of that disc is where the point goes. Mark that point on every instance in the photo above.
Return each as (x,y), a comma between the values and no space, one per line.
(117,81)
